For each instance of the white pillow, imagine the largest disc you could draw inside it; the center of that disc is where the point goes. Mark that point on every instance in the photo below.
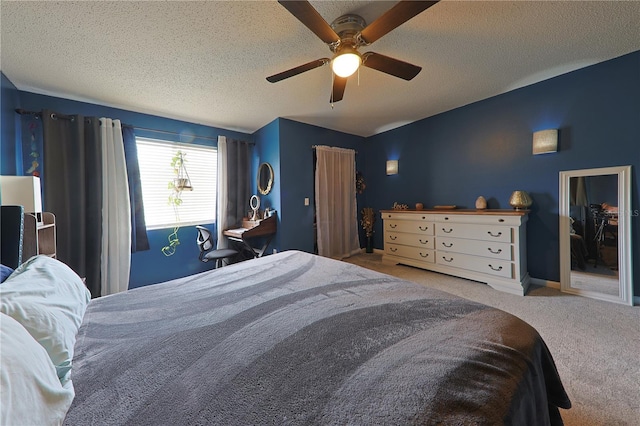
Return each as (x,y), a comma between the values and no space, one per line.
(31,392)
(49,300)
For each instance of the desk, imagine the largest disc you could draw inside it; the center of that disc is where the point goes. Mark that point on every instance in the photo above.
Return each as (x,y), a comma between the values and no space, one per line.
(250,229)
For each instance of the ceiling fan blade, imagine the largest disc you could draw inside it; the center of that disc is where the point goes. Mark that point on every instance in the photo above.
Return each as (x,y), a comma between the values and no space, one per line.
(339,83)
(393,18)
(310,17)
(298,70)
(395,67)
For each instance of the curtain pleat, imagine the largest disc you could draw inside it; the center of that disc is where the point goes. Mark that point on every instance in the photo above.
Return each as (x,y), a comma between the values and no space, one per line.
(139,238)
(578,191)
(72,191)
(336,214)
(116,210)
(234,188)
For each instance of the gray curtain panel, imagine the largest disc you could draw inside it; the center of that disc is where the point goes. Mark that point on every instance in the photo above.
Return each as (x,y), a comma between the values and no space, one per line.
(238,164)
(72,189)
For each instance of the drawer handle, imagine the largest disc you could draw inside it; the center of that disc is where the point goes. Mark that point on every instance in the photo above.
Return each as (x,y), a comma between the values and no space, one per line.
(447,260)
(447,232)
(446,218)
(450,245)
(424,217)
(393,249)
(393,237)
(496,235)
(393,226)
(424,255)
(423,241)
(496,269)
(500,220)
(494,252)
(423,229)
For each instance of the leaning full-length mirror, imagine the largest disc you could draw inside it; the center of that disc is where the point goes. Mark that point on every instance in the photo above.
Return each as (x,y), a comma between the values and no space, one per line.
(595,234)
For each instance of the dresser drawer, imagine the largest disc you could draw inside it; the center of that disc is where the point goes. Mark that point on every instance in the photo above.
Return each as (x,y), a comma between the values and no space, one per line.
(415,240)
(480,219)
(489,249)
(409,226)
(496,267)
(475,232)
(416,216)
(422,254)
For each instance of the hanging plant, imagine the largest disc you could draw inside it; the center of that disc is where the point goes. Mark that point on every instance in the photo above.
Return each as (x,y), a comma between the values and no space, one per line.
(179,183)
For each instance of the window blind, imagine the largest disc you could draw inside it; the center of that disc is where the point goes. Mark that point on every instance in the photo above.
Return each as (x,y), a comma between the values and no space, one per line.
(198,206)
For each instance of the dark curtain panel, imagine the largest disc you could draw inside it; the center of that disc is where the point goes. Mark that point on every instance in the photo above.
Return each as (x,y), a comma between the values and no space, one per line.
(238,175)
(139,240)
(72,181)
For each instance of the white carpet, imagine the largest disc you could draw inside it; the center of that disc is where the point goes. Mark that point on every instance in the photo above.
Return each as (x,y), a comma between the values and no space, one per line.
(596,344)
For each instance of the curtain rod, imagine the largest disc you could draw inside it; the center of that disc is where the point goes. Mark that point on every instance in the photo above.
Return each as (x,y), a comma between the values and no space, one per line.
(39,114)
(315,146)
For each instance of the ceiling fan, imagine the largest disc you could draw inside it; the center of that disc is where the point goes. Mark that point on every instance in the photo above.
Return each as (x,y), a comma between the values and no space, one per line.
(346,35)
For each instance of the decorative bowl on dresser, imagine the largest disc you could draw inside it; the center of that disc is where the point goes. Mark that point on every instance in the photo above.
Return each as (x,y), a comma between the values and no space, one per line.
(489,246)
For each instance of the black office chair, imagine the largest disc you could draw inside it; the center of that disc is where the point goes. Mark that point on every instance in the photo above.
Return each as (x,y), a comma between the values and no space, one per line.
(12,233)
(205,244)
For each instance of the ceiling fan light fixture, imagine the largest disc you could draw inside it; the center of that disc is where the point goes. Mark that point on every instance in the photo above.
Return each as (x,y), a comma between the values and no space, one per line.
(346,62)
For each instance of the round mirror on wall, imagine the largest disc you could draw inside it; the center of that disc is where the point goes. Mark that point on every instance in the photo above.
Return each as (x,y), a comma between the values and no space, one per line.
(265,178)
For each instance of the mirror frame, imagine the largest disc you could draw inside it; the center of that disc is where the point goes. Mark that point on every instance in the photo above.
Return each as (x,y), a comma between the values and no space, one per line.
(625,291)
(261,190)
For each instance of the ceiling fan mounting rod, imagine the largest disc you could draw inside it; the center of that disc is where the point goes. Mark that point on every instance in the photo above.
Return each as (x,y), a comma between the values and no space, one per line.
(348,28)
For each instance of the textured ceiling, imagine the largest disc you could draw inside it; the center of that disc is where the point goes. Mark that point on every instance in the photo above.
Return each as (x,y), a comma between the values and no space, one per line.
(206,62)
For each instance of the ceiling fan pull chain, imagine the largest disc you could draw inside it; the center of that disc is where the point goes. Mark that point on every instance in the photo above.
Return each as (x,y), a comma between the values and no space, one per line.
(333,79)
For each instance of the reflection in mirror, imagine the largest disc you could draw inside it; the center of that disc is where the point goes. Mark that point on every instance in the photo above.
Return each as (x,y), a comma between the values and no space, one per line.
(595,236)
(265,178)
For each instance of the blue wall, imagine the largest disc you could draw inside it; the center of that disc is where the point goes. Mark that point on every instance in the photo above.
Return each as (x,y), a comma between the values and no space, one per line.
(452,158)
(297,180)
(288,146)
(267,150)
(485,149)
(147,267)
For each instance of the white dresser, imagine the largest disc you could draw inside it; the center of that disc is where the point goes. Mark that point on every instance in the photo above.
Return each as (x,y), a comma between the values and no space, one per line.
(489,246)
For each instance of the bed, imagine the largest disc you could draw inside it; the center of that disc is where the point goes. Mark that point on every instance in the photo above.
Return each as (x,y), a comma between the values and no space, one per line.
(295,338)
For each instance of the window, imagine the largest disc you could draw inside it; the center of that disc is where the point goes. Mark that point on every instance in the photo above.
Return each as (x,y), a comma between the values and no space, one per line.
(198,206)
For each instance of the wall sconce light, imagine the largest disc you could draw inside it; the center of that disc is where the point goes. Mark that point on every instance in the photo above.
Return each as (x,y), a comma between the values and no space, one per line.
(545,141)
(392,167)
(22,191)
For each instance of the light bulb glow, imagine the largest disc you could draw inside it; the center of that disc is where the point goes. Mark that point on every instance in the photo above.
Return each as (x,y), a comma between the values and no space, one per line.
(346,64)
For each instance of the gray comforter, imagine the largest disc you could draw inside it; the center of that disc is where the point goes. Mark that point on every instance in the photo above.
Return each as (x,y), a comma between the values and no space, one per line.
(294,338)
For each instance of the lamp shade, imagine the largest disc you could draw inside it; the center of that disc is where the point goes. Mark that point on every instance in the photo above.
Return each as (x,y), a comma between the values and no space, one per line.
(545,141)
(21,191)
(346,62)
(520,200)
(392,167)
